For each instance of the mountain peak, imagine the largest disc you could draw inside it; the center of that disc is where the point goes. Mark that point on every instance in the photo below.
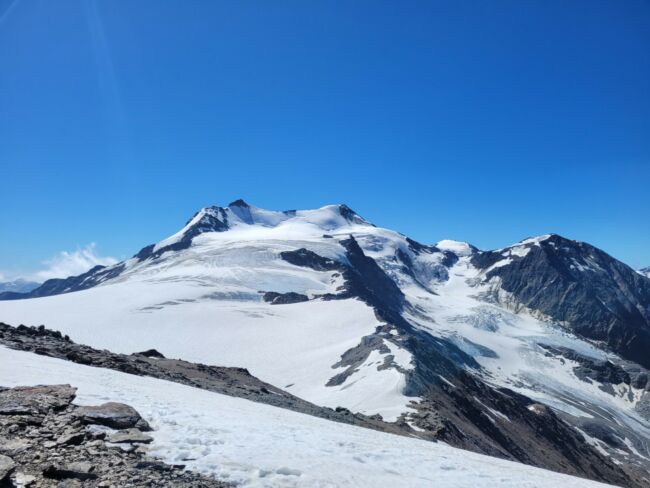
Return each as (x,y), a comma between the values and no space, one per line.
(239,203)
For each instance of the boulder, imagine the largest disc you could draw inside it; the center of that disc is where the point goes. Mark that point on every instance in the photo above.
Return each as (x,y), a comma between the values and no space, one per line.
(72,439)
(11,447)
(74,470)
(31,400)
(130,436)
(150,353)
(114,415)
(7,465)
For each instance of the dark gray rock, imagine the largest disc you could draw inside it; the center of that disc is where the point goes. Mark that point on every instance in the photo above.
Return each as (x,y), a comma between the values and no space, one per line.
(74,470)
(114,415)
(150,353)
(130,436)
(32,400)
(71,438)
(275,298)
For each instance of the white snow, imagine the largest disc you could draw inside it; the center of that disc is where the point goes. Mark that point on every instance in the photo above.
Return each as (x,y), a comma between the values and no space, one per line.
(284,345)
(257,445)
(457,247)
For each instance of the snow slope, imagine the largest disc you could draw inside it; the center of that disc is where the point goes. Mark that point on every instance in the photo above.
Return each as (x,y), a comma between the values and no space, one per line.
(257,445)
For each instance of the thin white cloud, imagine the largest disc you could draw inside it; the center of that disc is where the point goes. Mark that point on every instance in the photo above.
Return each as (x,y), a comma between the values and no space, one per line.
(66,263)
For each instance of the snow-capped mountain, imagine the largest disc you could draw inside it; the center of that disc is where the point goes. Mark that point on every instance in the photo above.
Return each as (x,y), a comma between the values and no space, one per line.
(531,353)
(18,286)
(577,285)
(645,271)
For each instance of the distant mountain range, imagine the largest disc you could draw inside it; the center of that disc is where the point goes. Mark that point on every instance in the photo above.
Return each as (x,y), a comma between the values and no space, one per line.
(18,286)
(537,352)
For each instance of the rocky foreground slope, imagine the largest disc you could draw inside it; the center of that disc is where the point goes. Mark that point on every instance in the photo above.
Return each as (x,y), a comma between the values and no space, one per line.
(47,441)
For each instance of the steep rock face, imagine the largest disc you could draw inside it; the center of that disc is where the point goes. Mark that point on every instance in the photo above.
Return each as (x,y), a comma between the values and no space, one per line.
(576,284)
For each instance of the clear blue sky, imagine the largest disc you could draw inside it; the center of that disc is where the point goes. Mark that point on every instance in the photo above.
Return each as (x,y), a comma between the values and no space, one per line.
(483,121)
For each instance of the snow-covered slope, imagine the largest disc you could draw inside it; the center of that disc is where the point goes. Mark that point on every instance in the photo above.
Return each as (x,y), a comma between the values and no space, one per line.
(340,312)
(257,445)
(203,303)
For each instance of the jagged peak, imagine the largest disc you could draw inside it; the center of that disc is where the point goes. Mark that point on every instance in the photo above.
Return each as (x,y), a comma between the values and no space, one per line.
(239,203)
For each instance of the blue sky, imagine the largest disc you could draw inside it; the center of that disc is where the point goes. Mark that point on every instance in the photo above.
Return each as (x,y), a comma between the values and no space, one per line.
(480,121)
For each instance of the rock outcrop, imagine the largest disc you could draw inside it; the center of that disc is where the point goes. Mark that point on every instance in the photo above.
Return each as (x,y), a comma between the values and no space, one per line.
(47,441)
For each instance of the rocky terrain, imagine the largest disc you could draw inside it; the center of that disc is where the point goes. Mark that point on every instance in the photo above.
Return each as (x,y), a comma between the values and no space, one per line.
(48,441)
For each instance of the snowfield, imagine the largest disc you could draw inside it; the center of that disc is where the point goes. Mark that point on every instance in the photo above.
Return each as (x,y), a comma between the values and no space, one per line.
(256,445)
(290,346)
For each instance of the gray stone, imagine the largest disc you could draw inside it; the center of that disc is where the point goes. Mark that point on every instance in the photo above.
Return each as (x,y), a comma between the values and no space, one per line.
(81,467)
(74,470)
(29,400)
(130,436)
(7,465)
(11,447)
(112,414)
(74,439)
